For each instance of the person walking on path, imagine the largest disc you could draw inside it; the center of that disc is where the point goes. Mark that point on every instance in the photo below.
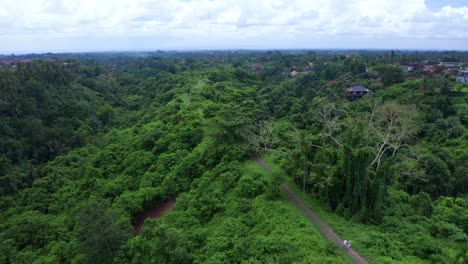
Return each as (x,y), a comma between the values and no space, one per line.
(347,244)
(322,226)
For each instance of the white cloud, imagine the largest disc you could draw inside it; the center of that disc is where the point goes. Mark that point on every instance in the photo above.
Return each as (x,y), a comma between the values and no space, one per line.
(213,21)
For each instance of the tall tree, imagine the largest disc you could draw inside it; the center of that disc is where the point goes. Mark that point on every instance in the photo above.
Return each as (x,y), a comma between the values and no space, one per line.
(234,122)
(100,232)
(8,93)
(390,74)
(392,125)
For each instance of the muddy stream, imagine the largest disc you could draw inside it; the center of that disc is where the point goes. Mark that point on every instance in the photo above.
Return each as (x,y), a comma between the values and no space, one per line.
(155,212)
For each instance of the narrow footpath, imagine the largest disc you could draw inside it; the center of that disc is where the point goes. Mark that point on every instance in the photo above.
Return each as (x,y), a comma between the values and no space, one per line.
(322,226)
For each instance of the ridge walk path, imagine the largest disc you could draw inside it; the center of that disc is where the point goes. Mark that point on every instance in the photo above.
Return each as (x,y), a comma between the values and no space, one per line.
(322,226)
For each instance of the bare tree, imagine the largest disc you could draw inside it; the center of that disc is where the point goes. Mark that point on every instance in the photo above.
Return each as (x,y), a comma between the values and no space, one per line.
(263,138)
(329,117)
(389,126)
(392,125)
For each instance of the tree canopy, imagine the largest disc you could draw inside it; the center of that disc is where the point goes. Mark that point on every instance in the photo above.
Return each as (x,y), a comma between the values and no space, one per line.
(89,143)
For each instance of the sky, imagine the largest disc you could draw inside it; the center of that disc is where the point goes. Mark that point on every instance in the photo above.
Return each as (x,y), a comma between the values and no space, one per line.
(28,26)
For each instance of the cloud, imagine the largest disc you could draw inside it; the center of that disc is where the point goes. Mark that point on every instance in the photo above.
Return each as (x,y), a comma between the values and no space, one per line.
(212,21)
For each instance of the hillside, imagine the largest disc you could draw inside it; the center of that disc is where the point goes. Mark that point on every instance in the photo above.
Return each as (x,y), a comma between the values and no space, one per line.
(88,146)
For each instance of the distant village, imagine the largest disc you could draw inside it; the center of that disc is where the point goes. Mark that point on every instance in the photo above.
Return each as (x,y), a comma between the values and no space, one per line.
(443,67)
(14,64)
(458,70)
(413,70)
(436,67)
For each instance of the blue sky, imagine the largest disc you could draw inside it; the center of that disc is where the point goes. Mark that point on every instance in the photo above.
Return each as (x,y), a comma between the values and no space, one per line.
(109,25)
(438,4)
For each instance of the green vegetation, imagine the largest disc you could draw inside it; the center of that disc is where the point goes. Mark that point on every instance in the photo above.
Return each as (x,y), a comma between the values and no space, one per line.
(89,145)
(459,87)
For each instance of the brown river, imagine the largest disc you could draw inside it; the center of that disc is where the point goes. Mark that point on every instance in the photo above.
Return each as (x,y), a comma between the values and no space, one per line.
(154,212)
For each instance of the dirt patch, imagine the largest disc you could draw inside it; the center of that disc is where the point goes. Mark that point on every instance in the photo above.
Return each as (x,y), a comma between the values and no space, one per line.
(154,212)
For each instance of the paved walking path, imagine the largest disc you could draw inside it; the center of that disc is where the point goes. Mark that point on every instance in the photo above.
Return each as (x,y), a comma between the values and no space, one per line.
(322,226)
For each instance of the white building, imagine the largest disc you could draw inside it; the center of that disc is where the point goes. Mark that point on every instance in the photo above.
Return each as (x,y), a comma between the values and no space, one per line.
(462,79)
(462,76)
(407,68)
(450,64)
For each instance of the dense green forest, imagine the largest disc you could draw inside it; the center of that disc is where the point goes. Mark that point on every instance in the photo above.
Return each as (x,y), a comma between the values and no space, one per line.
(88,142)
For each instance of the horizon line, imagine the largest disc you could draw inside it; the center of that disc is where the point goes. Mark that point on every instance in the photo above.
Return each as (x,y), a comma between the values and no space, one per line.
(181,50)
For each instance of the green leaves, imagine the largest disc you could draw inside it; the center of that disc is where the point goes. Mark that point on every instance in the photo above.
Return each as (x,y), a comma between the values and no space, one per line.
(9,86)
(136,131)
(233,123)
(390,74)
(251,186)
(100,232)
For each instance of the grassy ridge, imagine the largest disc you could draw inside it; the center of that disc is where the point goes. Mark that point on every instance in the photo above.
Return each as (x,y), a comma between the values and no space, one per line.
(374,242)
